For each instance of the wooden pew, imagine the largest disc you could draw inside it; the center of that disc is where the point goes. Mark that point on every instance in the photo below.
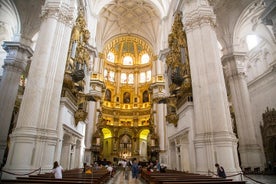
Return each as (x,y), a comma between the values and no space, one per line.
(71,176)
(182,177)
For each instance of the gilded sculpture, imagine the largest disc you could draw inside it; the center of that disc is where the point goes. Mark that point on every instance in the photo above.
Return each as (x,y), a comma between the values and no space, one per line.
(178,69)
(77,61)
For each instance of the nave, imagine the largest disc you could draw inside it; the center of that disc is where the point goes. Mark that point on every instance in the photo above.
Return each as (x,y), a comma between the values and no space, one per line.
(119,178)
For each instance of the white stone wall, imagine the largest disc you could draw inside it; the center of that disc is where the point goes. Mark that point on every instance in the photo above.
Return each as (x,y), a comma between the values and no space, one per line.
(182,136)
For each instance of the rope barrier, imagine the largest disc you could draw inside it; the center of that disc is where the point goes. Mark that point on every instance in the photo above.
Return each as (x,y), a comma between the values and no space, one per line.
(39,169)
(227,175)
(253,179)
(237,175)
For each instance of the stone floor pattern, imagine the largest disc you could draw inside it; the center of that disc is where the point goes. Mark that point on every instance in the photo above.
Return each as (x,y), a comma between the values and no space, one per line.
(119,178)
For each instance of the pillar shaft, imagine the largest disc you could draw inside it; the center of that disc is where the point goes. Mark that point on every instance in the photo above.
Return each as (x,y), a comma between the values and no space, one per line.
(250,151)
(34,140)
(14,65)
(214,138)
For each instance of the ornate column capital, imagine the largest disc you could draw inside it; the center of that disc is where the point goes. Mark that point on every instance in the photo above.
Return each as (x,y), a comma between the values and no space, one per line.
(62,12)
(162,54)
(197,16)
(17,56)
(234,64)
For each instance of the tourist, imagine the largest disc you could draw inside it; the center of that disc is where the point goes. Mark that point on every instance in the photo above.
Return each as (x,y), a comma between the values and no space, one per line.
(220,171)
(57,170)
(110,170)
(158,166)
(134,169)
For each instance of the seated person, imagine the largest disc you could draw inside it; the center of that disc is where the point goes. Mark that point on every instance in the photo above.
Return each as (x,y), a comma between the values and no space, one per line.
(163,169)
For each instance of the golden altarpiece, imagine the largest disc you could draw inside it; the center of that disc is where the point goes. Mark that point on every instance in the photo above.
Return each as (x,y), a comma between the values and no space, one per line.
(124,127)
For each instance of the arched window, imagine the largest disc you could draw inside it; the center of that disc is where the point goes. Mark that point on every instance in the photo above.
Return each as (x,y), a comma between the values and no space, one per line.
(252,41)
(112,76)
(126,97)
(131,78)
(145,96)
(105,74)
(128,60)
(145,59)
(142,77)
(148,76)
(107,95)
(123,78)
(110,57)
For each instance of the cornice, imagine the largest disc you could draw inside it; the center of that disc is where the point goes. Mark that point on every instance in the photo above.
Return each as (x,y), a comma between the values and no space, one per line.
(198,17)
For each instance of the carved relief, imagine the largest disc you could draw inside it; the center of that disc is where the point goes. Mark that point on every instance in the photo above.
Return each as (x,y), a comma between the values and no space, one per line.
(178,69)
(268,130)
(76,66)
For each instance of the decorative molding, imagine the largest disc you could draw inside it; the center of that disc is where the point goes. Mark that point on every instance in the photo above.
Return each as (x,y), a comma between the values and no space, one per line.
(198,17)
(234,65)
(17,57)
(60,13)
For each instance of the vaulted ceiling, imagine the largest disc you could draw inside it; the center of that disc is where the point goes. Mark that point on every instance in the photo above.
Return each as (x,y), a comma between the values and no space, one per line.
(138,17)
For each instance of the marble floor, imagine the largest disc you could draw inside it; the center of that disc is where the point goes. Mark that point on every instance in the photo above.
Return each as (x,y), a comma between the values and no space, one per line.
(260,179)
(119,178)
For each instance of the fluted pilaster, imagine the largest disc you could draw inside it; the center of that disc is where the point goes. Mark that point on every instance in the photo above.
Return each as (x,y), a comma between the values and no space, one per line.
(250,151)
(214,138)
(35,135)
(14,64)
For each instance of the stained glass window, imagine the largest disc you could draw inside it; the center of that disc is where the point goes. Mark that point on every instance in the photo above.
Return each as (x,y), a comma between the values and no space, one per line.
(105,74)
(130,78)
(110,57)
(123,78)
(142,77)
(128,60)
(112,76)
(148,76)
(145,59)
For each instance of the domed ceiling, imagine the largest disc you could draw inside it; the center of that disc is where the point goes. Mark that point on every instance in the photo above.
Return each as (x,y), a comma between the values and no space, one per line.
(136,17)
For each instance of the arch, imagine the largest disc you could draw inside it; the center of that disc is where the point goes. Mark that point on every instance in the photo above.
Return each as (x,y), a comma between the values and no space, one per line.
(145,96)
(248,23)
(126,98)
(107,95)
(9,27)
(11,23)
(144,134)
(106,133)
(162,6)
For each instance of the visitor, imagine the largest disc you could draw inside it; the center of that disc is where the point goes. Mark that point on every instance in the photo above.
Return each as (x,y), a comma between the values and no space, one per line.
(158,166)
(110,170)
(84,167)
(57,170)
(220,171)
(134,169)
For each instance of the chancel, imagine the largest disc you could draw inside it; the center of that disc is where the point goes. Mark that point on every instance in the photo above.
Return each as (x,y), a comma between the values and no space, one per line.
(189,83)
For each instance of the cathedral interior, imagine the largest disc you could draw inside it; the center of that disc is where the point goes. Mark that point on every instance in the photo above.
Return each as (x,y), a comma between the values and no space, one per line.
(190,83)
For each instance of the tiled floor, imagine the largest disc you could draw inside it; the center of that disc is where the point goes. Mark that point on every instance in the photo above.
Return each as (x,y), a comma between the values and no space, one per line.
(119,178)
(265,179)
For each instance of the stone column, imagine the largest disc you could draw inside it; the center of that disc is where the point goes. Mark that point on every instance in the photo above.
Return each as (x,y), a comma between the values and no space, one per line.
(161,120)
(14,64)
(250,151)
(159,109)
(214,139)
(34,140)
(90,129)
